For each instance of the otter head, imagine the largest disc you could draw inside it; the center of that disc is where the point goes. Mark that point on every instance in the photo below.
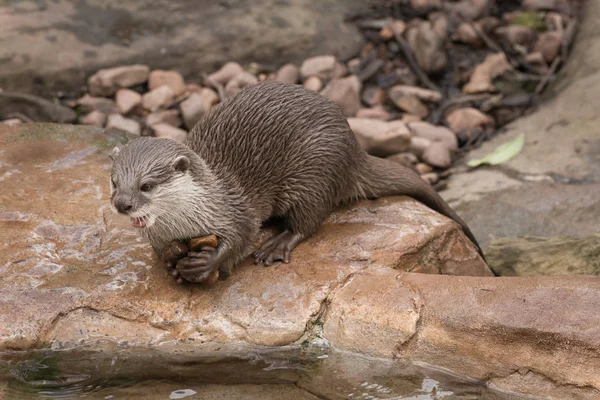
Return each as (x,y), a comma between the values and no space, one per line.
(147,178)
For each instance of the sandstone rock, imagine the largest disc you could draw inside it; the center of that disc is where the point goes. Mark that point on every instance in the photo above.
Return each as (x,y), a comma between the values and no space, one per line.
(468,35)
(469,9)
(163,130)
(158,98)
(438,155)
(170,117)
(172,79)
(373,113)
(320,66)
(492,67)
(423,168)
(226,73)
(548,44)
(516,34)
(413,105)
(380,138)
(406,159)
(288,73)
(468,119)
(117,121)
(418,145)
(432,178)
(239,82)
(34,108)
(429,49)
(89,103)
(95,118)
(434,133)
(313,83)
(345,92)
(127,100)
(408,118)
(537,62)
(198,104)
(106,82)
(397,91)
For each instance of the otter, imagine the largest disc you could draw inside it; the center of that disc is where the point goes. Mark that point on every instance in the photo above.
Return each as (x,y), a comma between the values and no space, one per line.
(273,150)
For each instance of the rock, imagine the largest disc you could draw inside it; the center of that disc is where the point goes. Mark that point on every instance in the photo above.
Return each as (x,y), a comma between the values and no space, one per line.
(288,73)
(226,73)
(12,121)
(320,66)
(408,118)
(439,24)
(345,92)
(423,168)
(397,91)
(380,138)
(537,63)
(353,65)
(418,145)
(437,155)
(163,130)
(425,5)
(195,106)
(386,34)
(127,100)
(89,103)
(516,34)
(488,24)
(158,98)
(406,159)
(469,9)
(432,178)
(117,121)
(434,133)
(398,27)
(548,5)
(95,118)
(193,88)
(172,79)
(468,35)
(313,83)
(413,105)
(239,82)
(429,49)
(34,108)
(339,70)
(373,95)
(468,119)
(170,117)
(492,67)
(106,82)
(548,44)
(373,113)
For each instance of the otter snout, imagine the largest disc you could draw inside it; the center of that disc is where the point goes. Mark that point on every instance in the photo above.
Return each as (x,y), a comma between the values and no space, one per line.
(123,204)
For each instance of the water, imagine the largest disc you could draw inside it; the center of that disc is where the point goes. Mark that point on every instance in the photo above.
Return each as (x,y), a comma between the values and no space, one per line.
(231,372)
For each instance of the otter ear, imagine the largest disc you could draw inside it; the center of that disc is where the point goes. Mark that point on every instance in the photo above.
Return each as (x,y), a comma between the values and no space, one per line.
(115,153)
(181,164)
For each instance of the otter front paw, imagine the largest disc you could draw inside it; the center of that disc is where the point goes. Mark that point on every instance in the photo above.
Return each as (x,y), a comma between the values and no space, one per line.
(199,266)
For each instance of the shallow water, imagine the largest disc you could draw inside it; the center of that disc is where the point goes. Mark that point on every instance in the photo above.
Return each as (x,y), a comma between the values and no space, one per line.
(238,372)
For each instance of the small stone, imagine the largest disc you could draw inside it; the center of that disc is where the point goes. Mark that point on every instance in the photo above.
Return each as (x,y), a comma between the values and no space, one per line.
(555,21)
(548,5)
(170,117)
(467,34)
(172,79)
(537,63)
(89,103)
(374,113)
(488,24)
(313,83)
(289,73)
(423,168)
(418,145)
(413,105)
(468,119)
(437,155)
(429,49)
(395,92)
(424,5)
(117,121)
(469,9)
(439,23)
(12,121)
(373,95)
(380,138)
(431,178)
(193,88)
(345,92)
(408,118)
(158,98)
(406,159)
(226,73)
(238,82)
(320,66)
(95,118)
(353,65)
(194,107)
(548,44)
(106,82)
(127,100)
(398,27)
(386,33)
(339,70)
(493,66)
(434,133)
(163,130)
(516,34)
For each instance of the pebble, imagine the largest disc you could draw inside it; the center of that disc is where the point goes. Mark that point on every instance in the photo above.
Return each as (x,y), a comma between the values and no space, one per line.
(12,121)
(320,66)
(418,145)
(157,98)
(423,168)
(406,159)
(95,118)
(468,119)
(487,24)
(548,5)
(434,133)
(437,155)
(170,117)
(239,82)
(398,27)
(374,113)
(345,92)
(493,66)
(548,44)
(431,178)
(373,96)
(395,92)
(467,34)
(172,79)
(429,49)
(537,63)
(353,65)
(117,121)
(89,103)
(195,106)
(227,72)
(106,82)
(408,118)
(163,130)
(386,33)
(412,105)
(192,88)
(469,9)
(439,23)
(288,73)
(313,83)
(380,138)
(424,5)
(516,34)
(127,100)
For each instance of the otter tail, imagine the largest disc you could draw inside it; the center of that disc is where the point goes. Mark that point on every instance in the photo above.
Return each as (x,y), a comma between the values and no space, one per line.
(386,178)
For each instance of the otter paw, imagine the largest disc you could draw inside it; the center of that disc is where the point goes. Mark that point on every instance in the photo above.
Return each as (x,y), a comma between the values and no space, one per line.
(277,248)
(197,266)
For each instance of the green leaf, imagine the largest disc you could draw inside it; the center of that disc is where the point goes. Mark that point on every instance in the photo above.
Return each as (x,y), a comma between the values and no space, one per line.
(502,153)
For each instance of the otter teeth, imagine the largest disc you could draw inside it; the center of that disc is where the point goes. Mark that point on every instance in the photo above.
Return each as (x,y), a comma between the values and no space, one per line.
(138,222)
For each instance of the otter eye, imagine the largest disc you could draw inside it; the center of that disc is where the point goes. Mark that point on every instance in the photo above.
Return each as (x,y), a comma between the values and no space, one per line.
(146,187)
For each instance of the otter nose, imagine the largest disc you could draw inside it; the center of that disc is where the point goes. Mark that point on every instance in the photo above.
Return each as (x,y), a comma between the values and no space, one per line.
(123,205)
